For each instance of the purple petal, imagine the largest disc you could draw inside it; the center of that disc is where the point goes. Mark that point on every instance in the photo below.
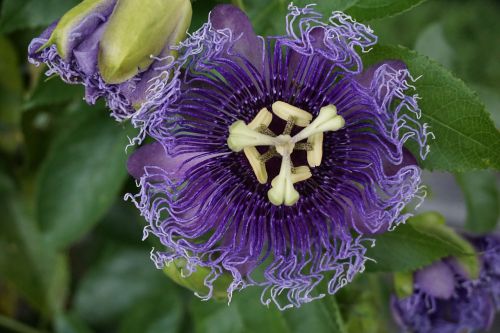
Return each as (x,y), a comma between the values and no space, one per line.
(86,53)
(154,155)
(136,90)
(436,280)
(408,160)
(37,43)
(90,23)
(232,18)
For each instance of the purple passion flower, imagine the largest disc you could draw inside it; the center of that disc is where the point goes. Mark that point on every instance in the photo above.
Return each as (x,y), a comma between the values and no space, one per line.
(444,301)
(114,48)
(274,156)
(488,248)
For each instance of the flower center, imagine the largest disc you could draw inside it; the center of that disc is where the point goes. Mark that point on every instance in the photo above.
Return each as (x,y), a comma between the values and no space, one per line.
(246,138)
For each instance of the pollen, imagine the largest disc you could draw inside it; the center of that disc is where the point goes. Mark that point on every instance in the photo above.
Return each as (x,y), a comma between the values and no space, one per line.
(246,138)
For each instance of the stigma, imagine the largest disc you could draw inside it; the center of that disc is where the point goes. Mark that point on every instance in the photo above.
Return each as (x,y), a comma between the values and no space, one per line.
(246,137)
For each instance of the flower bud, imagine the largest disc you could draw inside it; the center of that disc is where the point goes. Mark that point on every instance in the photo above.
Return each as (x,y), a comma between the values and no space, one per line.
(198,279)
(137,30)
(112,46)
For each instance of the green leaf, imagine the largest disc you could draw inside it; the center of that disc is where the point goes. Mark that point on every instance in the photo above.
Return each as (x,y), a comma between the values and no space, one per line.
(81,176)
(318,316)
(364,304)
(37,271)
(482,197)
(259,12)
(70,323)
(11,89)
(466,138)
(157,314)
(27,14)
(407,249)
(366,10)
(122,278)
(246,314)
(433,224)
(10,78)
(327,7)
(53,92)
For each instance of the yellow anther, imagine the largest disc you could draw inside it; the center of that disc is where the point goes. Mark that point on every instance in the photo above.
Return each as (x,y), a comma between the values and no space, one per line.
(301,173)
(286,111)
(241,136)
(263,118)
(315,155)
(258,167)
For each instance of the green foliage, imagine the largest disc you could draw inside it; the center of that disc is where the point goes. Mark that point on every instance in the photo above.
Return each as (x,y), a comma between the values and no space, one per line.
(466,138)
(407,249)
(366,10)
(362,10)
(120,279)
(53,92)
(240,316)
(89,156)
(482,198)
(27,14)
(159,313)
(70,323)
(37,271)
(422,240)
(433,224)
(11,89)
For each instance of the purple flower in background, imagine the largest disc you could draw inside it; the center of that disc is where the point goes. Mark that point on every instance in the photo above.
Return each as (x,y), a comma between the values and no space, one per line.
(488,248)
(114,48)
(275,157)
(444,301)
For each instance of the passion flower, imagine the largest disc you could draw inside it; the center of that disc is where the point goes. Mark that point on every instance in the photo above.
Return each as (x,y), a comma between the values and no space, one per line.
(275,158)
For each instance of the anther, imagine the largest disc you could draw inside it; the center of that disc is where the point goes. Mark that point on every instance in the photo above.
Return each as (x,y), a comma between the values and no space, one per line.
(262,119)
(258,166)
(285,111)
(315,154)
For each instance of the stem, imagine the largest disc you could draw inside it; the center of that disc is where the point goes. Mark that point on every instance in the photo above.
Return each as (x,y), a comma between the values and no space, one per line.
(17,326)
(240,4)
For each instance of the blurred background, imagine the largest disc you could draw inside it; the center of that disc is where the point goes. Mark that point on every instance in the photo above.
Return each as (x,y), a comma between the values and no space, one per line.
(71,255)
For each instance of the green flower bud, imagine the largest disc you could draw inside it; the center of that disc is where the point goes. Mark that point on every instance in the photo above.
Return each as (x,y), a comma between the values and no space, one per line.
(138,30)
(196,281)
